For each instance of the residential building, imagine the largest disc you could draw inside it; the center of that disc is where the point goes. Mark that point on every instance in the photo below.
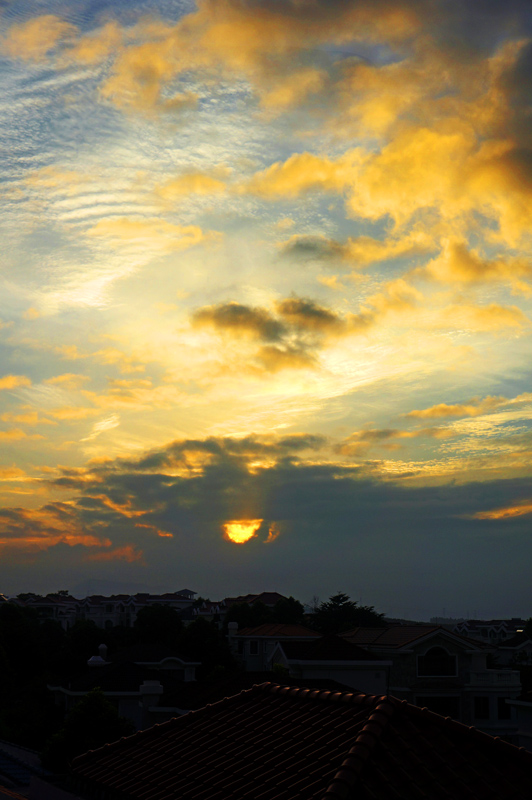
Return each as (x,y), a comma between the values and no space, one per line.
(253,648)
(105,612)
(491,631)
(445,672)
(516,651)
(334,658)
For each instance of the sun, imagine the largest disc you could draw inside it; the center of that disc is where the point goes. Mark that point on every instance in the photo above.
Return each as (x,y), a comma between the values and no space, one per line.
(241,530)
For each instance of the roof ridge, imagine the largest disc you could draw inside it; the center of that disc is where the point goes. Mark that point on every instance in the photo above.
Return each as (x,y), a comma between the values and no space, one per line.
(304,692)
(344,780)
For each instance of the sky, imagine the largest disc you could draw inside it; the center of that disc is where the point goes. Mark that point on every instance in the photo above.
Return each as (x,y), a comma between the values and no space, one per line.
(266,300)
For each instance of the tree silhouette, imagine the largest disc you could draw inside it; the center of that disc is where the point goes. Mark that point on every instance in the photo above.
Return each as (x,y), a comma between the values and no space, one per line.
(340,613)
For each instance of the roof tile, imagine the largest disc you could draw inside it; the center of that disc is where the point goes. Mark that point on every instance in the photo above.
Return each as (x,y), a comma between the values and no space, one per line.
(284,743)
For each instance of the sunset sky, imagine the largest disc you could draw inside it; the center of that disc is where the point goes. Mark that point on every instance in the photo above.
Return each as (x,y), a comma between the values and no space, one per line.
(266,300)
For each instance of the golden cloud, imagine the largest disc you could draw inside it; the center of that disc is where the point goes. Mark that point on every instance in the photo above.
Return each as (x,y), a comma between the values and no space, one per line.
(32,40)
(274,358)
(112,355)
(461,265)
(94,47)
(473,408)
(68,380)
(476,318)
(25,418)
(14,381)
(157,234)
(304,172)
(194,182)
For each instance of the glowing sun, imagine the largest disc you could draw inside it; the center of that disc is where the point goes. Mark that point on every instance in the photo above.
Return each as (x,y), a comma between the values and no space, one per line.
(241,530)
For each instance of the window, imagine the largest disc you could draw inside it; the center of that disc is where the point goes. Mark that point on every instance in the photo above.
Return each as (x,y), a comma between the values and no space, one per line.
(440,704)
(254,647)
(482,707)
(436,663)
(504,711)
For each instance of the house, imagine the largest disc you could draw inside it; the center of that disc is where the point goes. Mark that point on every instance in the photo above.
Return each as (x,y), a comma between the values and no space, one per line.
(137,682)
(515,651)
(59,607)
(491,631)
(523,713)
(253,647)
(440,670)
(277,742)
(334,658)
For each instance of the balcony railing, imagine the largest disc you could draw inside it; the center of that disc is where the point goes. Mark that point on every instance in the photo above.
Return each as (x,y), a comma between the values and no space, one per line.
(497,678)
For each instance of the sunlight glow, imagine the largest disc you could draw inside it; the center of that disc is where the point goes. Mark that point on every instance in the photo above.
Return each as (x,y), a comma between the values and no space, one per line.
(240,531)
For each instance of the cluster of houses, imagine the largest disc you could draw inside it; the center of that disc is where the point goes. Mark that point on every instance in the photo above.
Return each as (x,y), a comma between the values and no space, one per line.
(432,666)
(464,679)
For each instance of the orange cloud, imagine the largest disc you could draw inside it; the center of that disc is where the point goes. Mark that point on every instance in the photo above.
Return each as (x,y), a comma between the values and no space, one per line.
(274,532)
(154,529)
(34,530)
(518,510)
(128,553)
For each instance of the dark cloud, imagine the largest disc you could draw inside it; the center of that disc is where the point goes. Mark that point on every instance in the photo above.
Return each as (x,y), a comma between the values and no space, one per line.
(236,318)
(400,547)
(292,339)
(312,248)
(308,315)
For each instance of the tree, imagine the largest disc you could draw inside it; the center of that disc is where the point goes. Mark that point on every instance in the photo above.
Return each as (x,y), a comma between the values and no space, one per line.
(288,611)
(90,724)
(202,641)
(248,616)
(340,613)
(158,623)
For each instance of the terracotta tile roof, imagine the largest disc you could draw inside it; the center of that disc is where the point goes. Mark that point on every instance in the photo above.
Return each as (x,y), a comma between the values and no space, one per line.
(268,598)
(401,635)
(282,743)
(277,630)
(327,648)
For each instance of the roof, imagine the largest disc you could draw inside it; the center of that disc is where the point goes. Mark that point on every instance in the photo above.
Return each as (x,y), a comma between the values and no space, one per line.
(277,742)
(399,636)
(277,630)
(268,598)
(517,641)
(327,648)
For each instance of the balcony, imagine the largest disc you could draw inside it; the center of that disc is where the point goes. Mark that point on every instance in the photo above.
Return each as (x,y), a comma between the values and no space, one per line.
(495,679)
